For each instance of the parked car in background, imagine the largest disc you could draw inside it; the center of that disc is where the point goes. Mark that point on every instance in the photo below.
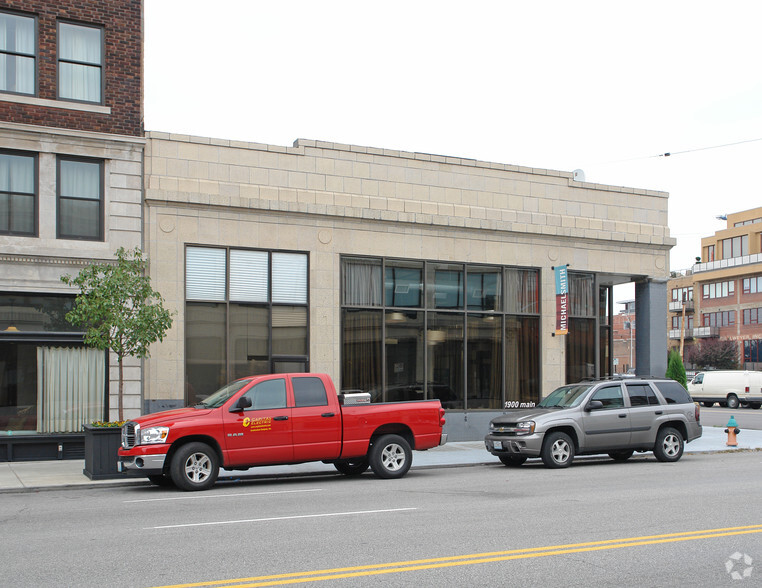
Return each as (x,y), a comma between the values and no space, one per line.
(730,388)
(614,417)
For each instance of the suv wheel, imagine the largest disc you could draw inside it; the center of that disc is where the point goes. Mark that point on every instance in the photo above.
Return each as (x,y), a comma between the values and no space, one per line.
(669,445)
(512,460)
(557,450)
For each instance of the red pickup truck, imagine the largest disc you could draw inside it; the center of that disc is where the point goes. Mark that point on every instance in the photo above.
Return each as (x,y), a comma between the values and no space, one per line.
(278,419)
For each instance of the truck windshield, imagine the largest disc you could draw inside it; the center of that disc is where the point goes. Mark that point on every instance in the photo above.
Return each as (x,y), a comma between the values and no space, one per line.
(564,397)
(222,395)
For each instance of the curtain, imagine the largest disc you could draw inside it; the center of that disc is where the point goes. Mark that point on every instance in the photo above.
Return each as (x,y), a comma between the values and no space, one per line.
(70,388)
(82,45)
(17,71)
(362,282)
(16,193)
(522,291)
(362,351)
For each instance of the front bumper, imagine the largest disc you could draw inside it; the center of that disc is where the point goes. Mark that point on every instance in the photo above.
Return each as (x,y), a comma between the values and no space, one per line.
(527,445)
(141,464)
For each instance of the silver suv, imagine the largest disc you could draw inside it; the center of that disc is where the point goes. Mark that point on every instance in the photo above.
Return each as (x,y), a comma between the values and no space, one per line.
(617,417)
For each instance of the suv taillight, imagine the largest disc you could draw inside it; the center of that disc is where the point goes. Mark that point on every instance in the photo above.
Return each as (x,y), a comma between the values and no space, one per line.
(698,413)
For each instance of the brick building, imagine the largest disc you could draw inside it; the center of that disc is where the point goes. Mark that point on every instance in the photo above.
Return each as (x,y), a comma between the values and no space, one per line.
(721,295)
(71,167)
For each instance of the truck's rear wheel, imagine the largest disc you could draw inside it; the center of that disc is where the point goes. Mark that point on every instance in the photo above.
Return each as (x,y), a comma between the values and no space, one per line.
(352,467)
(195,466)
(733,401)
(390,456)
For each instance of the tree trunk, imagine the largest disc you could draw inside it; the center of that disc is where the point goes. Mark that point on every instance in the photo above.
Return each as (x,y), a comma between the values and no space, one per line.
(121,390)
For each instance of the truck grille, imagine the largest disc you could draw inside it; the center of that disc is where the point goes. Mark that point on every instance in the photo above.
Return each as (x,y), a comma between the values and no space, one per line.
(128,435)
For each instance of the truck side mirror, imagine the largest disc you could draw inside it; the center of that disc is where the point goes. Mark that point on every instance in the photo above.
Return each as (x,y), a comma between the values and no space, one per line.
(243,403)
(594,405)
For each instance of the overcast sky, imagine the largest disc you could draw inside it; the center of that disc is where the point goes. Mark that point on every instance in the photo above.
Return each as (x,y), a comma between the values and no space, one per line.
(606,87)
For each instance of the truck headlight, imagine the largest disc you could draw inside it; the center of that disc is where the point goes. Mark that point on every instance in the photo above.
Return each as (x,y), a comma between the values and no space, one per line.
(153,435)
(525,428)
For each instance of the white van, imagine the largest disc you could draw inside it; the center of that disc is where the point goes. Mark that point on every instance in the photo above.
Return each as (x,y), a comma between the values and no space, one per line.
(729,388)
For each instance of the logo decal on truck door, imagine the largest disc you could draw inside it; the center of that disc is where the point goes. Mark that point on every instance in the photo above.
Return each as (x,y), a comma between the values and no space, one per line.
(258,424)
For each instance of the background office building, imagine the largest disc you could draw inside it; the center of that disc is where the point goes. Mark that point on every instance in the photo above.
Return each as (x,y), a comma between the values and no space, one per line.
(71,150)
(720,297)
(405,275)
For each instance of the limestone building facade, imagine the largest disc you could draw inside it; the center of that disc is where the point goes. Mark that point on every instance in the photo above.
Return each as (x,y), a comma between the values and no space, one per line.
(407,275)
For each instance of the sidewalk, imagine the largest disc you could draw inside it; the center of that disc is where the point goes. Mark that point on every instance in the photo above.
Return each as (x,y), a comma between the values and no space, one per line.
(36,475)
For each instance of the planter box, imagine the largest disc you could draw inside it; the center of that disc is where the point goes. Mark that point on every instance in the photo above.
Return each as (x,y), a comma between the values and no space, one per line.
(101,446)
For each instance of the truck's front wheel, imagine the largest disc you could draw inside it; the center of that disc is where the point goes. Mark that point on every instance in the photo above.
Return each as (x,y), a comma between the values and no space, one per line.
(390,456)
(352,467)
(195,466)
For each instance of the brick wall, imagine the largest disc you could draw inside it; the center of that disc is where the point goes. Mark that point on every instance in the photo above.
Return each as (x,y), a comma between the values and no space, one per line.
(122,25)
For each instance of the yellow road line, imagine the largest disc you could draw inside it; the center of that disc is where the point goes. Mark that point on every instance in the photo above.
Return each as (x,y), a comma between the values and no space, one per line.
(471,559)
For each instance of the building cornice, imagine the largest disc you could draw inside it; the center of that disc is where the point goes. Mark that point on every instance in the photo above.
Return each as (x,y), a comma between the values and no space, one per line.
(25,130)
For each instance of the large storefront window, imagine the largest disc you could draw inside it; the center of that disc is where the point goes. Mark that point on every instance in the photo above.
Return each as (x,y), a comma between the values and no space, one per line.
(246,313)
(49,382)
(467,335)
(583,354)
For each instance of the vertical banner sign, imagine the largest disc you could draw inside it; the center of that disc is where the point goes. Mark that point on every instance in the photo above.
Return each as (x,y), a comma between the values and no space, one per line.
(562,300)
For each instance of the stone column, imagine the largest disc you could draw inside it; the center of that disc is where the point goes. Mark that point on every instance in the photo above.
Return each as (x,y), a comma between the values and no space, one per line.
(651,327)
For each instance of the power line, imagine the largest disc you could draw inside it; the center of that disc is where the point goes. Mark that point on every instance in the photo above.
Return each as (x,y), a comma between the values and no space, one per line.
(707,148)
(672,153)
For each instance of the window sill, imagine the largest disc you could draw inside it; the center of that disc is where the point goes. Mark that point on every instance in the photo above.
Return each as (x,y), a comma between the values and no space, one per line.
(31,100)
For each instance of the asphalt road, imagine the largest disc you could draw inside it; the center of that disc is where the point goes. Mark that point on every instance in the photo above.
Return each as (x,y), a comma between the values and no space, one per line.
(747,418)
(602,523)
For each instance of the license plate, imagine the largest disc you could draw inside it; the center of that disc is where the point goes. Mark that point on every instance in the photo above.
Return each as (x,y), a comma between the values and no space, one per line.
(497,444)
(119,467)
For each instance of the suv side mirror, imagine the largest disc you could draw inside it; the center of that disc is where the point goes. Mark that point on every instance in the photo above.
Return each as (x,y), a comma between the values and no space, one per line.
(593,405)
(243,402)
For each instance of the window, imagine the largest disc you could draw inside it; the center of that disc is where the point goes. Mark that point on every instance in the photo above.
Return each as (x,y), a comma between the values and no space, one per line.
(18,198)
(18,61)
(752,285)
(735,247)
(641,395)
(476,329)
(309,392)
(673,393)
(751,316)
(752,350)
(80,199)
(718,289)
(80,63)
(709,253)
(267,395)
(609,396)
(726,318)
(682,294)
(677,322)
(246,313)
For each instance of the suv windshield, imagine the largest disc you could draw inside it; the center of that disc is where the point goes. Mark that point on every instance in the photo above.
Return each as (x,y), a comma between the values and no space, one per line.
(222,395)
(565,396)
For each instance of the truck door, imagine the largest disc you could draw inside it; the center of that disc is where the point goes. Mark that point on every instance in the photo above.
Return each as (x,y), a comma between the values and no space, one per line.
(608,427)
(316,423)
(262,433)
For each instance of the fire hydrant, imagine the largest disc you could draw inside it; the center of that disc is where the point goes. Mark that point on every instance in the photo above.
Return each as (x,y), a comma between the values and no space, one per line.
(732,431)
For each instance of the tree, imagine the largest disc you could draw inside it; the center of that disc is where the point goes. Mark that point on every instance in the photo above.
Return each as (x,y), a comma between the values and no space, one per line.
(676,369)
(719,354)
(119,309)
